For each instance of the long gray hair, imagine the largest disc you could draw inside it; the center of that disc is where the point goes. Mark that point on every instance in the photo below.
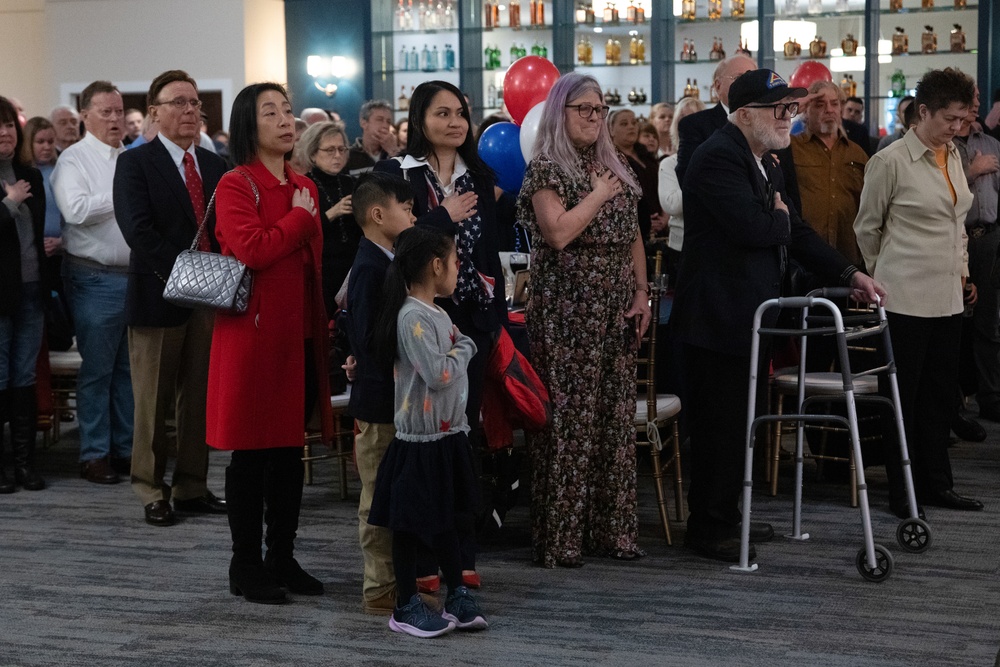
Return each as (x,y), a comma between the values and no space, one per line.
(553,141)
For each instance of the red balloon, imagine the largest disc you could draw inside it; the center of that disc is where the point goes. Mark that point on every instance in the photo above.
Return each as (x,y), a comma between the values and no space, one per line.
(808,73)
(526,83)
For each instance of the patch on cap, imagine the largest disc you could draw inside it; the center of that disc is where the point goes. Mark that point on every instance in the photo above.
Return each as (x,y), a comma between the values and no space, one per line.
(775,80)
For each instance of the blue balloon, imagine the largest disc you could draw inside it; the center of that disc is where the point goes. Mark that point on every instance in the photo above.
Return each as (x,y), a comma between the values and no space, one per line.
(500,148)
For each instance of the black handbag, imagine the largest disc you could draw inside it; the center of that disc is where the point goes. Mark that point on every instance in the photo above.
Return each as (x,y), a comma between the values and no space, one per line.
(209,279)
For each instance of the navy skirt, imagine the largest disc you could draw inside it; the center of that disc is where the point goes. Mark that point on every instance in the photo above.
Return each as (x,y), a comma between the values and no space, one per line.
(422,486)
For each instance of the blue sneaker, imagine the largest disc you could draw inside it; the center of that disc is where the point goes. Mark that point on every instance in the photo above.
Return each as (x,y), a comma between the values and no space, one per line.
(462,609)
(418,620)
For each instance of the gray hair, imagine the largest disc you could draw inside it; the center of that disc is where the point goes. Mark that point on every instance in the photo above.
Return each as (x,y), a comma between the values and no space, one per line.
(64,107)
(679,110)
(308,144)
(372,105)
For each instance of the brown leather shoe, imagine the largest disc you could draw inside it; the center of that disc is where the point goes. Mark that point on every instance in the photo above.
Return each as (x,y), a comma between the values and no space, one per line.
(158,513)
(382,605)
(99,471)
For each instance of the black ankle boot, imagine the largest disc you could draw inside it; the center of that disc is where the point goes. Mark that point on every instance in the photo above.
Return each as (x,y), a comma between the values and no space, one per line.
(6,485)
(23,426)
(245,506)
(283,498)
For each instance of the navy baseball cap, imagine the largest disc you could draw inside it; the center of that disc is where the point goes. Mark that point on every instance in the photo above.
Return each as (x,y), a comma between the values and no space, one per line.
(760,86)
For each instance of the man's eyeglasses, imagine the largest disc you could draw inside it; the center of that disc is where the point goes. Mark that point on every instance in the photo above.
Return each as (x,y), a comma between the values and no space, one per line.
(108,114)
(334,150)
(789,110)
(587,110)
(180,103)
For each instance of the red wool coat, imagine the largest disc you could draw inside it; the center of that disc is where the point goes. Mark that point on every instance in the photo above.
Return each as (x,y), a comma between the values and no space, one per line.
(256,377)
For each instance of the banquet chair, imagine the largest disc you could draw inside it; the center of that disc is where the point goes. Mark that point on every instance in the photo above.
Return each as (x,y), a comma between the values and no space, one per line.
(64,366)
(343,443)
(655,412)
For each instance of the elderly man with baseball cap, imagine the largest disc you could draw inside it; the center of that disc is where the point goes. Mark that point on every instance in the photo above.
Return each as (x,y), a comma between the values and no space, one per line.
(740,229)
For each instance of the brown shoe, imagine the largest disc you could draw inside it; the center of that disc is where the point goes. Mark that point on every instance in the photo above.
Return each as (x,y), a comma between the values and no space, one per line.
(99,471)
(158,513)
(382,605)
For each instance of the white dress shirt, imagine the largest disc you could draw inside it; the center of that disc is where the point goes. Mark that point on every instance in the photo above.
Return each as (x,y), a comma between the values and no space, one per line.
(672,202)
(177,155)
(410,162)
(82,183)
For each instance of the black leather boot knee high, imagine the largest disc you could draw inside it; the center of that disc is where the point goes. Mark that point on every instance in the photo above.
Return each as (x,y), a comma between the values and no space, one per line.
(283,497)
(23,433)
(245,506)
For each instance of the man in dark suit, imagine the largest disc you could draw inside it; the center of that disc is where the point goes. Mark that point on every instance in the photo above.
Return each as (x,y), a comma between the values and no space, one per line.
(740,229)
(160,195)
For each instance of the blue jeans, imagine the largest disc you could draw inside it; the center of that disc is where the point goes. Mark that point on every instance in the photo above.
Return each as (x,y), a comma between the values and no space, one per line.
(104,400)
(20,339)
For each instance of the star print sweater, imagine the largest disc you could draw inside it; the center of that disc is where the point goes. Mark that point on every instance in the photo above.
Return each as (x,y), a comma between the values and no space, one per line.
(432,383)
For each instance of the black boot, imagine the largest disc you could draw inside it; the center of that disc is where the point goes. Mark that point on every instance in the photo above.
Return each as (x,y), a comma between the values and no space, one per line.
(283,497)
(245,507)
(23,427)
(6,485)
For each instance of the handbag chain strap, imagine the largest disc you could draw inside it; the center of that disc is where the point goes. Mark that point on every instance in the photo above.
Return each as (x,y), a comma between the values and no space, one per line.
(211,205)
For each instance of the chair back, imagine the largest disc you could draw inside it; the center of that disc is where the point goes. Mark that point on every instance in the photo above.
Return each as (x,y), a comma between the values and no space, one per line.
(646,356)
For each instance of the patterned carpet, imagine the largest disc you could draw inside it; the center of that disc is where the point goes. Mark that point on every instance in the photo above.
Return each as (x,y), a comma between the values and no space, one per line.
(84,581)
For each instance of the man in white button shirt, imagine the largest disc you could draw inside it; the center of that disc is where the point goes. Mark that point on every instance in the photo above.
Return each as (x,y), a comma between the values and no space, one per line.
(96,275)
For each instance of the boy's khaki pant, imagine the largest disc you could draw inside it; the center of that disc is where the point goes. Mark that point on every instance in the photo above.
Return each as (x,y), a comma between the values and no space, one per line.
(376,542)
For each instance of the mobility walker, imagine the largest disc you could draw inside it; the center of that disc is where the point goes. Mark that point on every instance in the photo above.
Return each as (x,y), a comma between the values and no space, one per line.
(874,561)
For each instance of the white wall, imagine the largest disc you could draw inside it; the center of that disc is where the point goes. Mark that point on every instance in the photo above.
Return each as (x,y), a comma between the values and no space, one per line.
(59,46)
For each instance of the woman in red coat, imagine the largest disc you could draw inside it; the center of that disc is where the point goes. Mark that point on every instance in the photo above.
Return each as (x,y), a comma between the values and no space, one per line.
(268,370)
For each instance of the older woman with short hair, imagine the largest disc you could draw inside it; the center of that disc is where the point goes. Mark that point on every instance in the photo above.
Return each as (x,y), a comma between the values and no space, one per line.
(588,307)
(324,148)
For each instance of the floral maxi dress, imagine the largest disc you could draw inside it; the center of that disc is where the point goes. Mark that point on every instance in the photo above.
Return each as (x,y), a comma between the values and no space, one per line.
(583,464)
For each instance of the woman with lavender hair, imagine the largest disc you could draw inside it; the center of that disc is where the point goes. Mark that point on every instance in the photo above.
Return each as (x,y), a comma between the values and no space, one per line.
(589,306)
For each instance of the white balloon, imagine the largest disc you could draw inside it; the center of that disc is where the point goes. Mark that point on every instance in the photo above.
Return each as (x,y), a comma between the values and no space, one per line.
(529,128)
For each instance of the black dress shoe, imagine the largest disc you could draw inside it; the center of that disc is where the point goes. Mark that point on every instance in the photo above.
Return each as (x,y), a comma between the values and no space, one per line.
(968,429)
(158,513)
(990,412)
(99,471)
(761,532)
(254,582)
(902,510)
(290,574)
(725,549)
(207,504)
(953,501)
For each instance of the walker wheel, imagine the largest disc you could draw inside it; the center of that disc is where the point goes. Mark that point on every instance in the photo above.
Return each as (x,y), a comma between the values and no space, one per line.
(914,535)
(883,564)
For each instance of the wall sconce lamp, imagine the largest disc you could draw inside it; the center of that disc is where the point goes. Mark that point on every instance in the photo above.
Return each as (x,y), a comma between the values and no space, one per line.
(327,72)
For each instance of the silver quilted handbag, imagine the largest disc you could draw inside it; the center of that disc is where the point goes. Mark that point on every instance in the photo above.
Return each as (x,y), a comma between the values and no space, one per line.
(209,279)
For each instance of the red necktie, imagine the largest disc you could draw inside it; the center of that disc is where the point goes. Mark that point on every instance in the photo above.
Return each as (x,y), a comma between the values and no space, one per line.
(196,191)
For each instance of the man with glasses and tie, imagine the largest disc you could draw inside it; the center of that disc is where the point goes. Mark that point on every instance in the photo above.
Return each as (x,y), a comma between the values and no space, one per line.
(739,231)
(161,191)
(95,275)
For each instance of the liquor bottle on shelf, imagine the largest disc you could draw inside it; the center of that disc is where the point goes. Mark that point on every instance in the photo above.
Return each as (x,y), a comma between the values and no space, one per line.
(695,91)
(631,12)
(538,12)
(617,54)
(425,59)
(413,64)
(488,21)
(957,39)
(684,52)
(488,57)
(841,5)
(789,48)
(420,18)
(927,4)
(817,48)
(897,84)
(449,16)
(743,48)
(849,45)
(642,96)
(960,4)
(535,49)
(714,10)
(585,51)
(845,86)
(640,14)
(687,89)
(491,96)
(738,8)
(402,102)
(609,52)
(688,10)
(608,97)
(791,7)
(404,64)
(633,52)
(895,5)
(514,14)
(900,42)
(401,15)
(449,58)
(581,13)
(815,7)
(928,40)
(854,86)
(617,97)
(633,96)
(611,13)
(641,46)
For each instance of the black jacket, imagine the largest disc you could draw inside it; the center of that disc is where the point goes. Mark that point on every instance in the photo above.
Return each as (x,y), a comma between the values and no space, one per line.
(486,254)
(154,211)
(10,243)
(372,394)
(735,245)
(340,235)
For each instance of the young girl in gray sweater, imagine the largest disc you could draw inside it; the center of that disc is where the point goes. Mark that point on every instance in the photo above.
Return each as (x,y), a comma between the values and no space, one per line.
(427,473)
